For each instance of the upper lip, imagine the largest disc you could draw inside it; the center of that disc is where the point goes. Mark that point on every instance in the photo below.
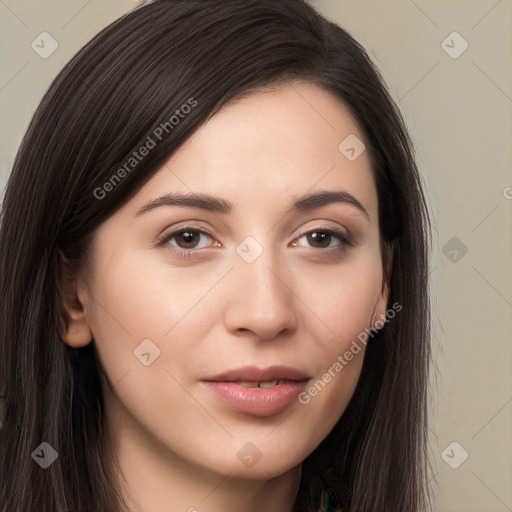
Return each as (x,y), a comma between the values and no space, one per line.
(255,374)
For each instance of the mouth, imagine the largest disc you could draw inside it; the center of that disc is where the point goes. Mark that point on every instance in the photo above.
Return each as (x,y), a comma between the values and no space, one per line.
(252,375)
(264,385)
(256,391)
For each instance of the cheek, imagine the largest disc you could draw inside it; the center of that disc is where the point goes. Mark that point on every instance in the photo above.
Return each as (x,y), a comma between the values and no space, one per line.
(345,300)
(149,309)
(135,299)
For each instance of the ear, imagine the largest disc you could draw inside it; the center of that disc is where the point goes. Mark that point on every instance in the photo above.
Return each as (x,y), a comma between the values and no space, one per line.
(74,328)
(380,309)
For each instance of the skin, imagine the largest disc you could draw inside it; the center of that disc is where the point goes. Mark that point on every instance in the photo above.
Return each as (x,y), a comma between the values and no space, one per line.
(298,304)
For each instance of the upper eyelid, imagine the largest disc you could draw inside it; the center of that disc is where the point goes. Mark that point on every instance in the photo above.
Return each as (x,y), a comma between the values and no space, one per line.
(173,233)
(323,225)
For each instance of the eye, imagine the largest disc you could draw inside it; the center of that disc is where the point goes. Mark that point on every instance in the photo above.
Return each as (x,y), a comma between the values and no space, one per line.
(187,239)
(325,239)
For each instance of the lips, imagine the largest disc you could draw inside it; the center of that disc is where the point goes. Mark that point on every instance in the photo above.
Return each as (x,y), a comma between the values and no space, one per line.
(255,374)
(258,391)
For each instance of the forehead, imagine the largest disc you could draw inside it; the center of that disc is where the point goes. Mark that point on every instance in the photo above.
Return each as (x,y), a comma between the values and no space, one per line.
(270,146)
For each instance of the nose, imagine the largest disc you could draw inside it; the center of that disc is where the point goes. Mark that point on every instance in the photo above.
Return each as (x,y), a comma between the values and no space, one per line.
(260,301)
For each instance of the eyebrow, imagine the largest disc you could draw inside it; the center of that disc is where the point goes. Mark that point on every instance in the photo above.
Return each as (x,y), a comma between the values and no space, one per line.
(203,201)
(218,205)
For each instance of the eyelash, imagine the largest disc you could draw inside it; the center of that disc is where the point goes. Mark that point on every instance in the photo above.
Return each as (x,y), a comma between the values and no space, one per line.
(345,241)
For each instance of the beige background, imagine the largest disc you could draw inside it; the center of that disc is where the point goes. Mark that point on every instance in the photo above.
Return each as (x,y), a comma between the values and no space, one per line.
(459,112)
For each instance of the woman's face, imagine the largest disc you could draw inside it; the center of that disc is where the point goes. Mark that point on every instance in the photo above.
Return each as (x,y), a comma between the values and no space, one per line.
(252,255)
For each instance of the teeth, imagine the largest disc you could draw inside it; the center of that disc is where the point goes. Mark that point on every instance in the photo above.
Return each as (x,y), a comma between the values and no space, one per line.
(269,384)
(264,385)
(247,384)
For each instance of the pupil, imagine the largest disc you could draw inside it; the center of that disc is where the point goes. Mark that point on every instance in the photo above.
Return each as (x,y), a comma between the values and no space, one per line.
(188,237)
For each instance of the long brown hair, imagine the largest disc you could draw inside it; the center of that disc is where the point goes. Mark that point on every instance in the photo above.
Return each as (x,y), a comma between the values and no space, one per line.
(104,104)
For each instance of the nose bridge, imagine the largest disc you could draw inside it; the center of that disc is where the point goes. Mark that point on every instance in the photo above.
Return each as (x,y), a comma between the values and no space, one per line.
(261,301)
(260,274)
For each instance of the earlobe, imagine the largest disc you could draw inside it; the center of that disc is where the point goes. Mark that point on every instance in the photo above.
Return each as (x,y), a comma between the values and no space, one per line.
(78,334)
(75,329)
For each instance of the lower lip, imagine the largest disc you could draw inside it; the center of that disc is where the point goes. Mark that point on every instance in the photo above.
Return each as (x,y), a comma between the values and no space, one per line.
(257,401)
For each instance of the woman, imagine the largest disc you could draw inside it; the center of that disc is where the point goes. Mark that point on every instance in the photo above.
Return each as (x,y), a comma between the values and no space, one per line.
(214,274)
